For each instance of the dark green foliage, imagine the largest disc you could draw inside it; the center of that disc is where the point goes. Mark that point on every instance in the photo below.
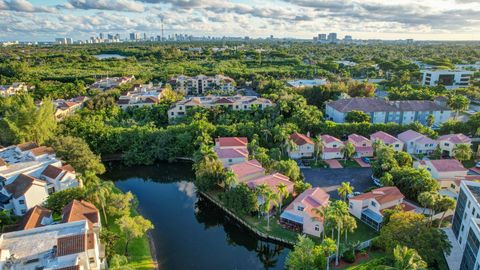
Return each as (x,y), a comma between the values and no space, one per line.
(241,199)
(357,117)
(349,255)
(60,199)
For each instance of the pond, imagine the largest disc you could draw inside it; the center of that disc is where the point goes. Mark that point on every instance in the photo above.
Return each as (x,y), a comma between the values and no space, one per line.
(109,56)
(191,232)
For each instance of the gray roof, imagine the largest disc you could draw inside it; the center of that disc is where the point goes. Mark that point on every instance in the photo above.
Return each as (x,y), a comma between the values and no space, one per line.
(382,105)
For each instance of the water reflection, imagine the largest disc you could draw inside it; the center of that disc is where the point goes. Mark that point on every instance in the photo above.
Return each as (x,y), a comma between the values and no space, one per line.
(191,232)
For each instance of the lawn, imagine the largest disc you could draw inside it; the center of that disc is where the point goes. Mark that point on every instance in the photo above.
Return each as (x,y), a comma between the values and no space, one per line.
(349,163)
(469,163)
(319,164)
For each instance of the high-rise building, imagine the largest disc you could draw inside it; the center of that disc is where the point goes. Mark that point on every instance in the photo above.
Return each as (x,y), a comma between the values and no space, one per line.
(135,36)
(69,40)
(348,38)
(110,36)
(332,37)
(101,35)
(61,40)
(144,36)
(322,37)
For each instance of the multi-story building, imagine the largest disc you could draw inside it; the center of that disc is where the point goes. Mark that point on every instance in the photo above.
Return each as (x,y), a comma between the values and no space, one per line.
(447,143)
(304,146)
(236,103)
(231,150)
(384,111)
(13,89)
(60,246)
(332,147)
(416,143)
(201,84)
(443,168)
(363,146)
(111,82)
(141,95)
(64,108)
(388,140)
(451,79)
(466,229)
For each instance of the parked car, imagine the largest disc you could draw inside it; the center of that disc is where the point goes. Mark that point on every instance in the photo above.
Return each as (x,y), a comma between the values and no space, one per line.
(356,193)
(377,182)
(366,160)
(477,165)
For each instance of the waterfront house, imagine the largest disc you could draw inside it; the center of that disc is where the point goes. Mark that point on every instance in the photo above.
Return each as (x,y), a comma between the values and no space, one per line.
(304,146)
(231,142)
(59,178)
(443,168)
(271,181)
(416,143)
(82,210)
(247,170)
(385,111)
(363,146)
(231,156)
(37,216)
(448,142)
(301,215)
(369,206)
(23,193)
(332,147)
(387,139)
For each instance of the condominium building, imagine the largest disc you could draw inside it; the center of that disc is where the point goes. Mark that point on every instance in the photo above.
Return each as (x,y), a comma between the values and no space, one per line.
(111,82)
(201,84)
(451,79)
(64,108)
(236,103)
(384,111)
(141,95)
(13,89)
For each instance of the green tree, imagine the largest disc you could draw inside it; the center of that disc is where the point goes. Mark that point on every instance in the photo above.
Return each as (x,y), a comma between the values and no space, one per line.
(119,204)
(241,199)
(407,259)
(318,150)
(304,255)
(99,193)
(230,179)
(462,152)
(344,190)
(430,120)
(282,194)
(76,152)
(444,204)
(289,168)
(119,262)
(348,150)
(208,168)
(133,227)
(458,103)
(357,117)
(58,200)
(270,199)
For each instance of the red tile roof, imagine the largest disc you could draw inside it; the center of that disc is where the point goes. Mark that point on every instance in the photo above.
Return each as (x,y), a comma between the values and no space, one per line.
(71,245)
(409,135)
(382,195)
(447,165)
(455,138)
(22,184)
(407,207)
(42,150)
(68,167)
(231,141)
(357,139)
(2,162)
(73,267)
(232,153)
(328,139)
(247,168)
(272,180)
(52,171)
(80,210)
(311,198)
(26,146)
(223,100)
(33,218)
(300,139)
(384,137)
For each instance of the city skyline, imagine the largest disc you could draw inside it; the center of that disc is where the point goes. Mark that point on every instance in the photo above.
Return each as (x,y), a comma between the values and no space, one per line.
(45,20)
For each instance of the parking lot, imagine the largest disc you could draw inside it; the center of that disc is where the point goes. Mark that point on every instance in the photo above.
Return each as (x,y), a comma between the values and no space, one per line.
(331,179)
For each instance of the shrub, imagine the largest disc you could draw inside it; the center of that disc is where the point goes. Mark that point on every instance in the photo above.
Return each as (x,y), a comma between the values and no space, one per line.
(349,255)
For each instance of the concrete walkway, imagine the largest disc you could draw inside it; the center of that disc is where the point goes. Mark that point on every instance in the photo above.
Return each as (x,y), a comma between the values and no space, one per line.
(333,163)
(362,163)
(455,258)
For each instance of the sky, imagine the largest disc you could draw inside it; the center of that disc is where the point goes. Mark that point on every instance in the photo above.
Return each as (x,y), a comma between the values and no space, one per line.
(45,20)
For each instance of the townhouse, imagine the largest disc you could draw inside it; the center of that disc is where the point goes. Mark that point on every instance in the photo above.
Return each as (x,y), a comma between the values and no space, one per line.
(332,147)
(369,206)
(450,79)
(111,82)
(236,103)
(447,143)
(141,95)
(38,216)
(247,170)
(443,168)
(64,108)
(59,246)
(304,146)
(231,150)
(384,111)
(416,143)
(363,146)
(202,84)
(301,214)
(22,194)
(14,89)
(388,140)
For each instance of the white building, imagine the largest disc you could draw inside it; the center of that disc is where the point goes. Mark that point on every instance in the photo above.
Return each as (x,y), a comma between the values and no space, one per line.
(60,246)
(111,82)
(13,89)
(300,83)
(443,168)
(201,84)
(231,150)
(64,108)
(451,79)
(384,111)
(141,95)
(447,143)
(304,146)
(332,147)
(388,140)
(24,193)
(236,103)
(465,238)
(416,143)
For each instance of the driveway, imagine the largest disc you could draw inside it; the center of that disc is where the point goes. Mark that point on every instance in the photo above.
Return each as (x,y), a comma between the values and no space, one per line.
(333,164)
(362,163)
(331,179)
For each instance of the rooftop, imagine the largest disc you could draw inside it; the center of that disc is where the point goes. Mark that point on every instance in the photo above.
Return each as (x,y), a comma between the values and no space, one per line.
(33,218)
(381,105)
(231,141)
(447,165)
(311,198)
(409,135)
(81,210)
(272,180)
(384,137)
(247,168)
(455,138)
(231,153)
(381,195)
(211,100)
(22,184)
(300,139)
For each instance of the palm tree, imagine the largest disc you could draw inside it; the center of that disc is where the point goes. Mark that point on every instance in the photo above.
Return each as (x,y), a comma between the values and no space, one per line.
(407,259)
(98,193)
(282,193)
(327,247)
(348,150)
(320,211)
(344,190)
(269,198)
(289,145)
(338,210)
(260,190)
(318,147)
(444,204)
(230,179)
(462,152)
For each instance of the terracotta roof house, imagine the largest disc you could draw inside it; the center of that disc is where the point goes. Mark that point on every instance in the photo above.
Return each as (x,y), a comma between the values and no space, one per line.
(301,215)
(247,170)
(26,146)
(443,168)
(231,156)
(272,181)
(59,179)
(387,139)
(304,146)
(332,147)
(363,146)
(36,217)
(369,206)
(24,193)
(81,210)
(416,143)
(447,143)
(41,152)
(231,142)
(385,111)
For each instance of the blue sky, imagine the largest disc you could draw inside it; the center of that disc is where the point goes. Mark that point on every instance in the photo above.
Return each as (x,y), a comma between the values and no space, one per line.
(393,19)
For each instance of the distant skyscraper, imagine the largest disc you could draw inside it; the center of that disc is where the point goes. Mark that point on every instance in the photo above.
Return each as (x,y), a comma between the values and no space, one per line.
(61,40)
(322,37)
(110,36)
(135,36)
(69,40)
(144,36)
(101,35)
(348,38)
(332,37)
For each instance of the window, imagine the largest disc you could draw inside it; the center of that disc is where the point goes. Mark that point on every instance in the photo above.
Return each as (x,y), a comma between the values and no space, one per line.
(473,212)
(300,208)
(230,160)
(351,205)
(373,204)
(21,201)
(245,106)
(172,113)
(23,211)
(364,144)
(335,146)
(91,260)
(447,144)
(397,145)
(180,107)
(317,228)
(236,106)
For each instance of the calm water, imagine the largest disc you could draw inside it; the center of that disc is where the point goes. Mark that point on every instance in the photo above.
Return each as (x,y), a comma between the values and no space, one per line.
(108,56)
(190,232)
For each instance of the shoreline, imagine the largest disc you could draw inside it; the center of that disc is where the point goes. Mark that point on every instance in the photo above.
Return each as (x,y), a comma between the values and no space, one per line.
(153,249)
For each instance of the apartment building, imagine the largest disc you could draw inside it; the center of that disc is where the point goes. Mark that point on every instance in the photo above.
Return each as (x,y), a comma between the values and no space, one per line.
(388,140)
(141,95)
(23,194)
(64,108)
(111,82)
(450,79)
(236,103)
(201,84)
(447,143)
(384,111)
(304,146)
(416,143)
(13,89)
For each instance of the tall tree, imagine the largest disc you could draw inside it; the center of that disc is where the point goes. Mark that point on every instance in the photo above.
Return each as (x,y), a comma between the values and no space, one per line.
(462,152)
(344,190)
(430,120)
(407,259)
(270,199)
(282,194)
(458,103)
(348,150)
(357,117)
(133,227)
